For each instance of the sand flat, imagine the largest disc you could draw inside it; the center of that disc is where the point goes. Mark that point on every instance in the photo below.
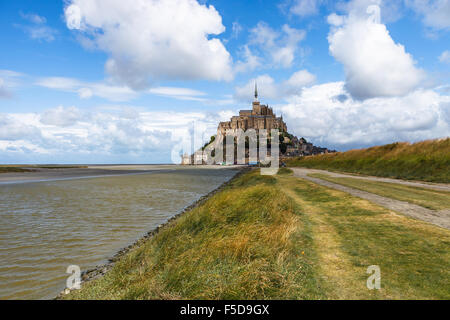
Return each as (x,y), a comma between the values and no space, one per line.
(42,174)
(93,171)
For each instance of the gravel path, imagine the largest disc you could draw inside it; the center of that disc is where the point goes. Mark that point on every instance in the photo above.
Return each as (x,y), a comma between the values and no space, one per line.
(435,186)
(440,218)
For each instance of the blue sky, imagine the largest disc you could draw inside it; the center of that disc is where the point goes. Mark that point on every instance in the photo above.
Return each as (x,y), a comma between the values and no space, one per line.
(108,81)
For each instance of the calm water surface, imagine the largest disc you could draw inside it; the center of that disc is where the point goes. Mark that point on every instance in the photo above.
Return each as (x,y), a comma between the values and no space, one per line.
(47,226)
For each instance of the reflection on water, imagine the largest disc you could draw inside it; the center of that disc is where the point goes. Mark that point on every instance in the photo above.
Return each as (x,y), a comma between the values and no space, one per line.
(47,226)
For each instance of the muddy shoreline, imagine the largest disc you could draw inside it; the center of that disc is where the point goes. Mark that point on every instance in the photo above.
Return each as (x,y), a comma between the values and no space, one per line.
(44,174)
(101,270)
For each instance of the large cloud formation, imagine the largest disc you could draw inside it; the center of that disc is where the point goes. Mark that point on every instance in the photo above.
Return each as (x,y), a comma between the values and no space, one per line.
(374,64)
(328,115)
(111,135)
(153,39)
(381,100)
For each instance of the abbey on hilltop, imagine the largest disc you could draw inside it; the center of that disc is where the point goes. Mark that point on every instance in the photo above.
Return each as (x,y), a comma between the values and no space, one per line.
(260,117)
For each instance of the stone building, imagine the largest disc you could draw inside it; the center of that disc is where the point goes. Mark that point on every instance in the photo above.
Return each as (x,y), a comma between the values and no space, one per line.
(186,159)
(260,117)
(199,157)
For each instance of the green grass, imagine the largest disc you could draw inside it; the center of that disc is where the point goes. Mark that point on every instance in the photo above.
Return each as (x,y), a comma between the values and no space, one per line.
(61,167)
(426,161)
(244,243)
(30,168)
(352,234)
(279,237)
(13,169)
(285,171)
(428,198)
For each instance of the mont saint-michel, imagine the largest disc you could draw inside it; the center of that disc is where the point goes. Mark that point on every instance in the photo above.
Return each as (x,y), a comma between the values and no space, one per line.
(260,117)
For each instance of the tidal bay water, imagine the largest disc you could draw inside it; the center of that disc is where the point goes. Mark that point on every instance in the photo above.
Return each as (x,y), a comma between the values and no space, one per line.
(46,226)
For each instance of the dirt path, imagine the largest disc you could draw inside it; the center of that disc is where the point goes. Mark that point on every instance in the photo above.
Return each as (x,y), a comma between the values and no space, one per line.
(434,186)
(338,273)
(439,218)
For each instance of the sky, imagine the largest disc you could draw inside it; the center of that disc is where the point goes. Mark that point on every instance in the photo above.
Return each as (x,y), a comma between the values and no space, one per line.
(112,81)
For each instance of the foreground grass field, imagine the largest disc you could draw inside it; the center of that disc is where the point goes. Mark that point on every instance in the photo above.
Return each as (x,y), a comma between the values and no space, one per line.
(428,198)
(426,161)
(281,237)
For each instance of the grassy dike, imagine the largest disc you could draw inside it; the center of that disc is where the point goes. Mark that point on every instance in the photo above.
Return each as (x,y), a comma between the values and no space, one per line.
(5,169)
(32,168)
(426,161)
(279,237)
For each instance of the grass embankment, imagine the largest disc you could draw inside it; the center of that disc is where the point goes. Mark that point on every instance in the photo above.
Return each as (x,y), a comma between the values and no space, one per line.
(13,169)
(244,243)
(428,198)
(426,161)
(280,237)
(31,168)
(61,167)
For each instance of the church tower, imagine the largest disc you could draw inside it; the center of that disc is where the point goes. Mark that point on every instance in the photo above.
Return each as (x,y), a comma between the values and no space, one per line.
(256,104)
(260,117)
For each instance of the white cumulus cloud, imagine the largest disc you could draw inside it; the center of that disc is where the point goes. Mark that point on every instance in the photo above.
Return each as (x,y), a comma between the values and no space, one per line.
(11,129)
(154,39)
(374,64)
(328,115)
(298,81)
(115,134)
(60,116)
